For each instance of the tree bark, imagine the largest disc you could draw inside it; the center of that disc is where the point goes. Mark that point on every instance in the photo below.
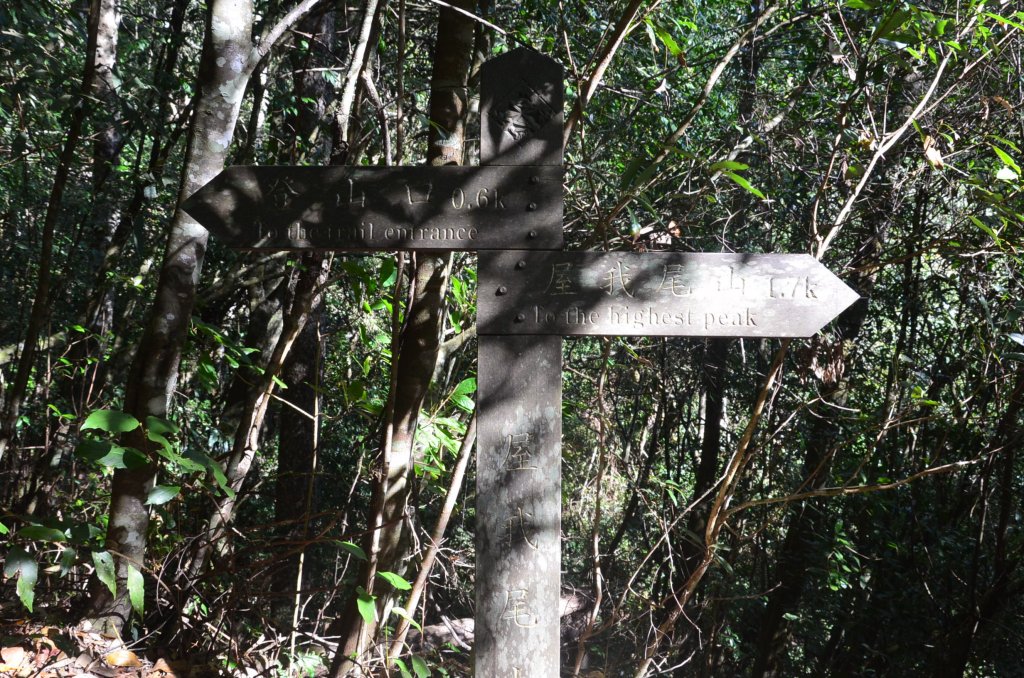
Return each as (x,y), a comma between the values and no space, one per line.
(387,543)
(101,51)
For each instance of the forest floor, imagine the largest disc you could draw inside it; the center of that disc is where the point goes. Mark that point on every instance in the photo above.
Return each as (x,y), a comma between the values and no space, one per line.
(31,649)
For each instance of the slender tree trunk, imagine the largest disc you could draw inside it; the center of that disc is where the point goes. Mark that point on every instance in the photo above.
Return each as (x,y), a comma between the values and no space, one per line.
(800,551)
(100,53)
(387,543)
(154,371)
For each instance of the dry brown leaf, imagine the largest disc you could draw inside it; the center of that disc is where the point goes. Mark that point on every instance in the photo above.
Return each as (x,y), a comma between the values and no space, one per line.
(122,659)
(932,154)
(162,670)
(13,656)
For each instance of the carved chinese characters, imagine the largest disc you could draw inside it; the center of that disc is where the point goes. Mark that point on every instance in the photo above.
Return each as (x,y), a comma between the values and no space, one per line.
(352,208)
(658,293)
(518,505)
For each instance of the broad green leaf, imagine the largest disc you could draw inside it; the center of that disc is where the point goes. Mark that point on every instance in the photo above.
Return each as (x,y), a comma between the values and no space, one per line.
(465,386)
(985,227)
(136,589)
(401,612)
(463,402)
(1004,20)
(42,533)
(419,665)
(4,529)
(891,23)
(743,183)
(160,425)
(101,452)
(26,588)
(403,668)
(19,561)
(730,165)
(859,4)
(111,421)
(161,494)
(1005,157)
(104,563)
(354,549)
(395,580)
(366,605)
(67,560)
(134,458)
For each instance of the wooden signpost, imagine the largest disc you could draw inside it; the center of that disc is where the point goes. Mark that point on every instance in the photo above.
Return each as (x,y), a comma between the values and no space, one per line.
(530,295)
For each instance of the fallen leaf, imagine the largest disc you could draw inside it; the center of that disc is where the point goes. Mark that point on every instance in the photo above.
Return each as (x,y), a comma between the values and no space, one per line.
(161,670)
(13,656)
(122,658)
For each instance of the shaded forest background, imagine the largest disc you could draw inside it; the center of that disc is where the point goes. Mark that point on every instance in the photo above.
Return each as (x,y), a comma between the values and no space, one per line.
(263,463)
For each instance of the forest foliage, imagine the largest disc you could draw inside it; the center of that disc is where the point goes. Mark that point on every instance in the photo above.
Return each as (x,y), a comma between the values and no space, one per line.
(264,461)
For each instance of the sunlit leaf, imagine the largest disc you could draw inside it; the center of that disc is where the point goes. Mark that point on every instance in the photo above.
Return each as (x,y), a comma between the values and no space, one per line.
(104,563)
(161,494)
(136,589)
(395,580)
(111,421)
(743,183)
(367,606)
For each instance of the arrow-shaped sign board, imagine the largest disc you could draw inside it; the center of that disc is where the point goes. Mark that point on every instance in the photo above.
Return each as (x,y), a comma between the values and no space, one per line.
(383,208)
(657,294)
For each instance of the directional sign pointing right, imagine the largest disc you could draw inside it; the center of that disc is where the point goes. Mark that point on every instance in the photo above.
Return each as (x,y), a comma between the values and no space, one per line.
(657,294)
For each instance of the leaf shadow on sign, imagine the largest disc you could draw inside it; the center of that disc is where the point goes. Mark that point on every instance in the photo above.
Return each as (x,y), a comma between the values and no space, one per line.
(282,208)
(657,294)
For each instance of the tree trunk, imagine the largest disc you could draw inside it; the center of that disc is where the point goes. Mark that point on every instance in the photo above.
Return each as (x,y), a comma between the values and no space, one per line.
(100,53)
(387,543)
(224,70)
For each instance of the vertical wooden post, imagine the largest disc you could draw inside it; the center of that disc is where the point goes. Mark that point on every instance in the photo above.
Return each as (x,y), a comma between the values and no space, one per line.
(519,454)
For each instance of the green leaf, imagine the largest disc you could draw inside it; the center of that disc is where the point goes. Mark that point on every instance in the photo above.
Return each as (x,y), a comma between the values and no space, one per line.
(26,587)
(104,563)
(111,421)
(42,533)
(395,580)
(730,165)
(403,668)
(19,561)
(1005,157)
(400,611)
(366,605)
(161,494)
(859,4)
(67,560)
(463,403)
(420,667)
(743,183)
(160,425)
(354,549)
(665,37)
(891,24)
(465,386)
(136,589)
(4,529)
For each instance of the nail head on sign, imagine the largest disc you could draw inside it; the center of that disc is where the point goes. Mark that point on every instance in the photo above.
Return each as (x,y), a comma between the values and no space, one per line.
(502,290)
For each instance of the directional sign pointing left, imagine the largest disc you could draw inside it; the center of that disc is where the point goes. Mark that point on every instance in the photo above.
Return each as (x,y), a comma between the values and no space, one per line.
(383,208)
